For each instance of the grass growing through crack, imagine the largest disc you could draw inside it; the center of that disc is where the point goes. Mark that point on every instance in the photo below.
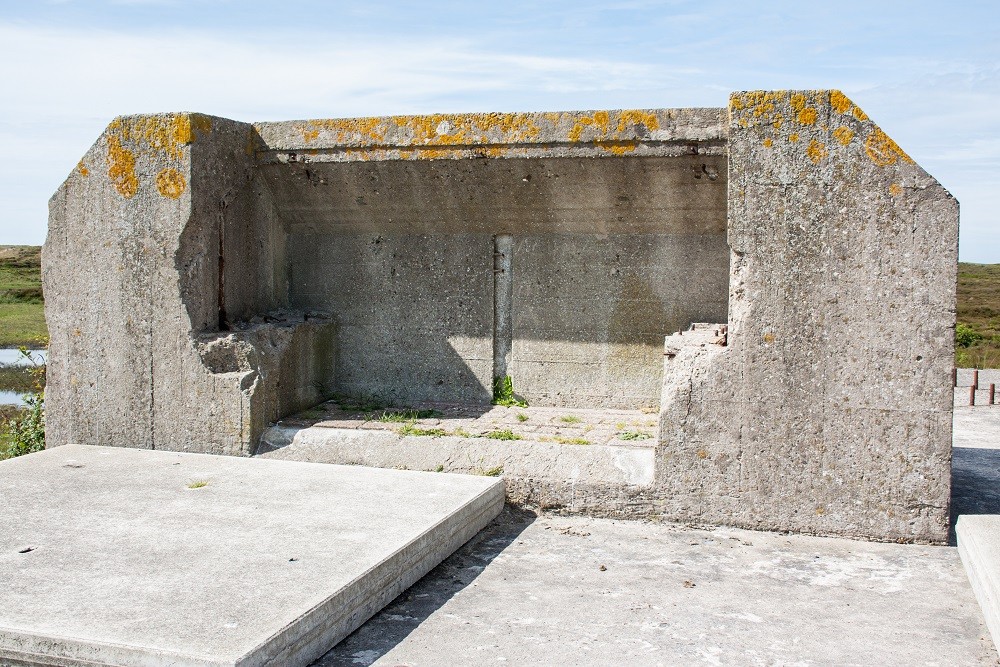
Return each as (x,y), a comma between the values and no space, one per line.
(570,419)
(634,435)
(503,393)
(563,440)
(197,484)
(413,429)
(521,417)
(502,434)
(407,415)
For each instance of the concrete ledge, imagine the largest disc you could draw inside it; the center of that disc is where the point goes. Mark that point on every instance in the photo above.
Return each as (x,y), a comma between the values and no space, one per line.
(113,556)
(979,546)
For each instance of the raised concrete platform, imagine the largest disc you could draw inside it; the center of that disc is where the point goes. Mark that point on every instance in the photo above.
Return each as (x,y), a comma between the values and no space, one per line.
(979,546)
(113,556)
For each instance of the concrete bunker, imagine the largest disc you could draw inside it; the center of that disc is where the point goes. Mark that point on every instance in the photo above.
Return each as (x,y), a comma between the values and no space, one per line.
(205,278)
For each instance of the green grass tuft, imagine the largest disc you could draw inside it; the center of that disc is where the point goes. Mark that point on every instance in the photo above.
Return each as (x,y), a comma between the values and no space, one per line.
(502,434)
(570,419)
(503,393)
(411,429)
(634,435)
(521,417)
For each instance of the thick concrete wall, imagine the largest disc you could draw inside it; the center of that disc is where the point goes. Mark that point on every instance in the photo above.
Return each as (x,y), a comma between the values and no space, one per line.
(131,269)
(830,409)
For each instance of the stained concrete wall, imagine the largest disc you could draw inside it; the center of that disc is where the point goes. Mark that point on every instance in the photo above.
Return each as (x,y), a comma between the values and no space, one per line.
(830,409)
(205,277)
(608,255)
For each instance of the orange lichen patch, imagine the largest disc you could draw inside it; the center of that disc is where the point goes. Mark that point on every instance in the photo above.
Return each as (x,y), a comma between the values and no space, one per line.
(798,101)
(617,147)
(162,134)
(769,337)
(793,137)
(778,120)
(121,168)
(807,116)
(170,183)
(839,101)
(736,102)
(843,135)
(882,150)
(82,169)
(816,151)
(768,142)
(895,189)
(859,114)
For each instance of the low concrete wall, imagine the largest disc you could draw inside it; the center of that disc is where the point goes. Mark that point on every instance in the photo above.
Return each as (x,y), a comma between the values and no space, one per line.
(204,278)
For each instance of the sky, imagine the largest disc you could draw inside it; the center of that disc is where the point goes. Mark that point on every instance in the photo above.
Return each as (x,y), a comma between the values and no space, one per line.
(927,72)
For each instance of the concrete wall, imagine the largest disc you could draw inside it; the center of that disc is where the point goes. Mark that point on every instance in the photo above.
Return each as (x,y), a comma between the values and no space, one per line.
(608,255)
(830,409)
(205,277)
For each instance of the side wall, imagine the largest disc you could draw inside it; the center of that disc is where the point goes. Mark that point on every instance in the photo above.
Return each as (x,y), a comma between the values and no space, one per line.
(134,270)
(830,410)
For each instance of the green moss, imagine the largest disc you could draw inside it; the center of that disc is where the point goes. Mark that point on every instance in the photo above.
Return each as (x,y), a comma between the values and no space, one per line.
(633,435)
(502,434)
(411,429)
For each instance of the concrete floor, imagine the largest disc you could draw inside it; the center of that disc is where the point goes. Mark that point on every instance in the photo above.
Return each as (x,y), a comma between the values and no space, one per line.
(556,590)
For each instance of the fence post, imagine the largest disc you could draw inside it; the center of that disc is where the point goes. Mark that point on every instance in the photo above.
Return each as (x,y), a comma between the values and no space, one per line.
(972,395)
(993,392)
(975,378)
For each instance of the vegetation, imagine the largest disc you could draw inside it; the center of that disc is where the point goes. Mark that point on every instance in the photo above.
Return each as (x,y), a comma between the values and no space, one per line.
(570,419)
(503,393)
(22,430)
(634,435)
(977,334)
(22,310)
(412,429)
(407,415)
(504,434)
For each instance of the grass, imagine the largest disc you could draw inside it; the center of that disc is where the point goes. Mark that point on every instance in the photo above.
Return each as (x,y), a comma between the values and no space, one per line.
(633,435)
(570,419)
(502,434)
(17,378)
(407,415)
(503,393)
(521,417)
(563,440)
(978,333)
(412,429)
(22,311)
(197,484)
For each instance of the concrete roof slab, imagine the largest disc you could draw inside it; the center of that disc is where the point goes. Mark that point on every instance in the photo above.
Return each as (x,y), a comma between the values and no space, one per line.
(139,557)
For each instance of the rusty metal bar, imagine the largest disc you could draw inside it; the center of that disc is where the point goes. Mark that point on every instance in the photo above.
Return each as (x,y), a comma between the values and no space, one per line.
(972,395)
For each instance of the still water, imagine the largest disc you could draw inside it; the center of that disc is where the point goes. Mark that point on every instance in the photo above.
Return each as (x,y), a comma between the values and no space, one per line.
(12,357)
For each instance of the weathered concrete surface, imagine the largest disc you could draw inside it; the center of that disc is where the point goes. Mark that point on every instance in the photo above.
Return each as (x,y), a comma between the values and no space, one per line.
(979,546)
(137,273)
(531,591)
(206,278)
(110,557)
(816,418)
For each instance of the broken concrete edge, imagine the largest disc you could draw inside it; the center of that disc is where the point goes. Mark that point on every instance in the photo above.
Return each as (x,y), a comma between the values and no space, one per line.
(813,146)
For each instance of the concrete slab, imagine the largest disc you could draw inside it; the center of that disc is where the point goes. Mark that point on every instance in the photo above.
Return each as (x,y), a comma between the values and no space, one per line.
(557,590)
(134,557)
(979,546)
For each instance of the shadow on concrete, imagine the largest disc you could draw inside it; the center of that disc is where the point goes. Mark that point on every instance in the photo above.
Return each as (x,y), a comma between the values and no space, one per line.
(399,618)
(975,484)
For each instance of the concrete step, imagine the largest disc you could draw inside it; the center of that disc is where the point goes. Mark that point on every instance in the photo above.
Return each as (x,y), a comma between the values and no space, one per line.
(979,546)
(135,557)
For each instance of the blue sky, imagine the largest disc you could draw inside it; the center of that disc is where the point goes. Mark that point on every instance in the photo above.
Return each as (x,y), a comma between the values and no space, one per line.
(927,72)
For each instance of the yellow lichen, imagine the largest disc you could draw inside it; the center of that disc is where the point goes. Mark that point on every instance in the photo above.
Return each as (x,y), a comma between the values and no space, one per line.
(843,135)
(170,183)
(82,169)
(121,168)
(895,189)
(807,116)
(778,120)
(768,142)
(816,151)
(882,150)
(839,101)
(798,101)
(768,337)
(859,114)
(793,137)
